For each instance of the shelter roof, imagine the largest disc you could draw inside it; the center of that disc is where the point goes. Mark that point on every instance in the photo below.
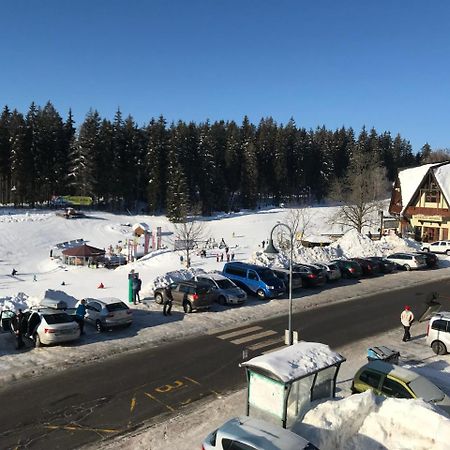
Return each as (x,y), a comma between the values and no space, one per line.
(295,361)
(83,251)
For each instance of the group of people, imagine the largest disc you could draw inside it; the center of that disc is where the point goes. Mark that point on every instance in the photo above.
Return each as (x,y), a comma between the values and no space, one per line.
(229,257)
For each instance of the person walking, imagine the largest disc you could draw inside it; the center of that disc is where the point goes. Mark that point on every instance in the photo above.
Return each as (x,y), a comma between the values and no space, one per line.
(139,281)
(18,325)
(13,273)
(407,318)
(135,288)
(80,312)
(168,300)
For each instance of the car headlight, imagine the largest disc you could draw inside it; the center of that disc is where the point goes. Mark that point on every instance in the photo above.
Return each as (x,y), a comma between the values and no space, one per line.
(271,287)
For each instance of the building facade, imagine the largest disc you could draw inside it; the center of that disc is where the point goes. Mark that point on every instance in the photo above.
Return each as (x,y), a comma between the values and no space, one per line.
(420,198)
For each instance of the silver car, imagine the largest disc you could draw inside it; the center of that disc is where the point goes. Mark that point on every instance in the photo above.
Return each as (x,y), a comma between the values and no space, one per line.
(225,291)
(248,433)
(105,313)
(332,269)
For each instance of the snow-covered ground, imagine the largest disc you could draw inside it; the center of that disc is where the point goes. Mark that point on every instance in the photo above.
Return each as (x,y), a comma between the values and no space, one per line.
(27,237)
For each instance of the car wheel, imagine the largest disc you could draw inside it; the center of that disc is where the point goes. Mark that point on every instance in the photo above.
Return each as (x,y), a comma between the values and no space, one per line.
(425,249)
(99,326)
(187,307)
(447,252)
(37,341)
(407,267)
(158,298)
(261,294)
(222,300)
(439,348)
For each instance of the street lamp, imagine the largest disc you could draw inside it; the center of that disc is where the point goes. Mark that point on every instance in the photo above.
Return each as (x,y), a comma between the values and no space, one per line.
(271,250)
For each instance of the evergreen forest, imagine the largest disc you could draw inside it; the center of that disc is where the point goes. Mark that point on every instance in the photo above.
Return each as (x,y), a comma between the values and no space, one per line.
(174,167)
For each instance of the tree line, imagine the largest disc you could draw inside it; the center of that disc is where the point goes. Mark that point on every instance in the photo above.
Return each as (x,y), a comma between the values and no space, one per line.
(172,168)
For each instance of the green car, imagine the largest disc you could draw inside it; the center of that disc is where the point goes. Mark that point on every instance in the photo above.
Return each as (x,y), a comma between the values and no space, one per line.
(395,381)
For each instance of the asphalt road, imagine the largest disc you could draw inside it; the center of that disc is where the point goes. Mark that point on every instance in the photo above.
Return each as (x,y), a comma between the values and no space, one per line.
(83,405)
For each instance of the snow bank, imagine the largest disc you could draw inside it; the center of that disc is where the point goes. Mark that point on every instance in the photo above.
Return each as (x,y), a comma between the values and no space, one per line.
(366,421)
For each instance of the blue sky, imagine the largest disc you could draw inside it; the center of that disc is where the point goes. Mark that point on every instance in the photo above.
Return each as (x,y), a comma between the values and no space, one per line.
(384,64)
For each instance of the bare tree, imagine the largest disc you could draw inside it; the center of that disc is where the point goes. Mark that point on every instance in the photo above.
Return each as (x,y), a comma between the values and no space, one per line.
(360,192)
(438,155)
(300,221)
(188,232)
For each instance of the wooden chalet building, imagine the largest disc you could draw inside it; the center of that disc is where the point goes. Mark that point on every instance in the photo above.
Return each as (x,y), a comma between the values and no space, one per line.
(420,199)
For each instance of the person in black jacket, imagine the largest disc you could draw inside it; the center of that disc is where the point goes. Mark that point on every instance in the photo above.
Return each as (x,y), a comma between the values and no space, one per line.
(168,300)
(18,325)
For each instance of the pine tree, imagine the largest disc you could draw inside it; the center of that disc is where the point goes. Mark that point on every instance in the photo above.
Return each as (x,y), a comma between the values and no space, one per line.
(156,163)
(233,163)
(5,156)
(249,170)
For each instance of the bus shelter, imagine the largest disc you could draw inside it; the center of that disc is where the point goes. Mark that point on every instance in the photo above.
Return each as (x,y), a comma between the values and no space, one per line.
(282,384)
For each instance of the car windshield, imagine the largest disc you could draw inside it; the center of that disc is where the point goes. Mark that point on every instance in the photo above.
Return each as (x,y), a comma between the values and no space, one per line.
(425,389)
(266,275)
(116,307)
(52,319)
(225,284)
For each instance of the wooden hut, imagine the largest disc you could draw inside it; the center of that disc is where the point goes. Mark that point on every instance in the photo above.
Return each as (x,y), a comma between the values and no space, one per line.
(81,255)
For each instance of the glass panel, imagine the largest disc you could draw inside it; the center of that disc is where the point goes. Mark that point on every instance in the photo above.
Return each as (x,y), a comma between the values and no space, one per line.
(299,399)
(393,389)
(323,387)
(370,378)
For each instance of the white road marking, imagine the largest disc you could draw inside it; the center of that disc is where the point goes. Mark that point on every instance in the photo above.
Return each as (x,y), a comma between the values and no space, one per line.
(239,332)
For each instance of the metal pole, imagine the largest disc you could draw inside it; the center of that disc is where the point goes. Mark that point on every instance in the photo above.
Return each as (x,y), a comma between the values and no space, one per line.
(290,288)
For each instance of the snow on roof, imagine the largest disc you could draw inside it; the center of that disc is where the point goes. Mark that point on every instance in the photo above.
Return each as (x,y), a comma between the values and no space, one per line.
(410,180)
(296,361)
(142,226)
(442,175)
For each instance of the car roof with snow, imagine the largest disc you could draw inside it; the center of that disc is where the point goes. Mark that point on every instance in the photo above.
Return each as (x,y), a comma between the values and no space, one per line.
(105,300)
(212,276)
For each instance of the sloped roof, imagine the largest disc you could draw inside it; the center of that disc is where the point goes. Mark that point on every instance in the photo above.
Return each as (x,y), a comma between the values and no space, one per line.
(141,225)
(296,361)
(410,180)
(83,251)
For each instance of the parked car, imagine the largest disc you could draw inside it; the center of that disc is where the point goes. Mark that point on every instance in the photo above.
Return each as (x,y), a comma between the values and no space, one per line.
(391,380)
(385,265)
(369,267)
(258,280)
(430,258)
(349,268)
(283,274)
(438,332)
(191,295)
(227,293)
(331,269)
(437,247)
(311,275)
(106,313)
(408,261)
(247,433)
(45,326)
(112,261)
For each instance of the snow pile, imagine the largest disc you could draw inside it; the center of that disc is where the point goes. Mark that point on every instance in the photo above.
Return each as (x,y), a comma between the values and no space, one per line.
(365,421)
(354,244)
(14,303)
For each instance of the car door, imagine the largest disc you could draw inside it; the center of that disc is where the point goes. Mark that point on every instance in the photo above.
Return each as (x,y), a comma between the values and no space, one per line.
(179,292)
(369,379)
(214,290)
(394,388)
(5,319)
(93,310)
(253,280)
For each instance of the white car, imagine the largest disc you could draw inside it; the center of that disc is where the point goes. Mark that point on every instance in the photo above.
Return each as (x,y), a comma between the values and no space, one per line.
(46,326)
(248,433)
(408,261)
(438,332)
(437,247)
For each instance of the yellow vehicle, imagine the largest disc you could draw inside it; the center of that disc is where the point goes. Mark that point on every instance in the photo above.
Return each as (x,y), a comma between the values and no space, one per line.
(391,380)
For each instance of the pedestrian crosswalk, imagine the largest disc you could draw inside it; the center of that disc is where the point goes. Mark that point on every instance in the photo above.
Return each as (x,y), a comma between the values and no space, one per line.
(254,338)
